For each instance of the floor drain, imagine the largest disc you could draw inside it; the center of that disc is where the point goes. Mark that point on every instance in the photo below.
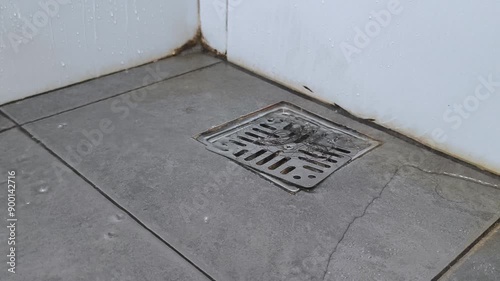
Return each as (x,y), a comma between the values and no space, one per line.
(288,145)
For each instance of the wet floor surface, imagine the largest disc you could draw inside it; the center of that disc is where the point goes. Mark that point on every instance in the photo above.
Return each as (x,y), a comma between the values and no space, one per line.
(112,185)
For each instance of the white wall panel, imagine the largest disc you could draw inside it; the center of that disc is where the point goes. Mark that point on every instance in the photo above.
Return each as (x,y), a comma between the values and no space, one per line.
(64,42)
(213,14)
(421,71)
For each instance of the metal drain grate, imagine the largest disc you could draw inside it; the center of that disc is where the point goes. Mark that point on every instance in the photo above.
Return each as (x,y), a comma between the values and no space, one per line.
(288,145)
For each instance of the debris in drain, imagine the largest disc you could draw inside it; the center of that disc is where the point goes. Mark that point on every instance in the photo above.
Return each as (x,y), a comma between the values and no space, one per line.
(288,145)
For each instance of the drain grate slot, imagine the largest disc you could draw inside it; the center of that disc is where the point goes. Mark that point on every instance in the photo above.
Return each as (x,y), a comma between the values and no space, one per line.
(330,153)
(268,127)
(313,169)
(331,160)
(268,158)
(253,135)
(315,162)
(311,154)
(241,152)
(288,145)
(256,155)
(265,133)
(279,163)
(237,143)
(342,150)
(250,141)
(288,170)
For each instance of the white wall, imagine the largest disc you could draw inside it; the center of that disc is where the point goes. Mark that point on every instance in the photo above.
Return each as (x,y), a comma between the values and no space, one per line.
(408,75)
(80,39)
(213,15)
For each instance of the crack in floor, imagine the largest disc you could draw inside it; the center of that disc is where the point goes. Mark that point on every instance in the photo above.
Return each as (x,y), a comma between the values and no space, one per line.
(457,176)
(356,218)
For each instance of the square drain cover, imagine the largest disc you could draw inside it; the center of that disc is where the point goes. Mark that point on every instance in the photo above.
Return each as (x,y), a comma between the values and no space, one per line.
(288,145)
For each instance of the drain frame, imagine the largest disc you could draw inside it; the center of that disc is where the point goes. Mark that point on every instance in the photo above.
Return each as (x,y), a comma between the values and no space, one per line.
(314,145)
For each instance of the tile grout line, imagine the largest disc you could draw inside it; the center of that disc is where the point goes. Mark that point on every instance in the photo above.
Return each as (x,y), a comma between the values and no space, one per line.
(115,95)
(98,77)
(106,196)
(462,255)
(8,118)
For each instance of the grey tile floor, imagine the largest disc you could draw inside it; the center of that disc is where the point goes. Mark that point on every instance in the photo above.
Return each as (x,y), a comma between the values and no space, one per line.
(112,186)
